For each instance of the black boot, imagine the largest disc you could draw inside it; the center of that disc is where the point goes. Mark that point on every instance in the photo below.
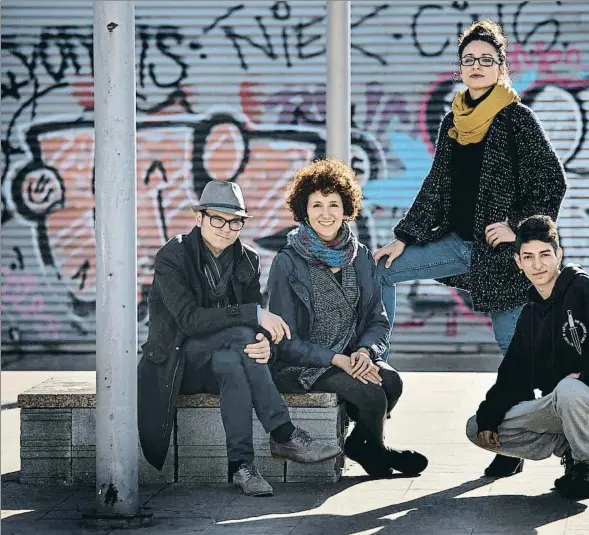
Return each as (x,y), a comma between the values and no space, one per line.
(576,485)
(408,462)
(569,463)
(503,466)
(363,451)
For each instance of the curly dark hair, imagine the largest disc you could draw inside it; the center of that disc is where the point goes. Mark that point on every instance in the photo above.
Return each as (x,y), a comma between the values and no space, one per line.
(330,175)
(489,32)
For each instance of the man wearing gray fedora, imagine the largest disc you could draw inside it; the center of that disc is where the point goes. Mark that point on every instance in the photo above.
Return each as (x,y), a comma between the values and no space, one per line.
(209,333)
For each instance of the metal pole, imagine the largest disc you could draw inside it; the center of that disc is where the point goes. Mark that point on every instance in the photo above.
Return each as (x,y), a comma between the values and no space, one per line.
(116,259)
(339,116)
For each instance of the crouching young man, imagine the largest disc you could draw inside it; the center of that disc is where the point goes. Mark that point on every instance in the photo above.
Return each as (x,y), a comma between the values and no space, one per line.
(549,352)
(208,333)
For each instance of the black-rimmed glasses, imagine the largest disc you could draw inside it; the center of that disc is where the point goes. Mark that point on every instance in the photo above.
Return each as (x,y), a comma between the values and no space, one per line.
(484,61)
(219,222)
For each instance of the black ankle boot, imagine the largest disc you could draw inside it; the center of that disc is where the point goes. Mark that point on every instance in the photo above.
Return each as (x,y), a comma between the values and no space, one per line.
(569,464)
(576,487)
(503,466)
(364,452)
(408,462)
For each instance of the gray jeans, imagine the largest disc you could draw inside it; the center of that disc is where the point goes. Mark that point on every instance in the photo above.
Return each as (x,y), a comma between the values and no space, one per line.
(538,428)
(217,364)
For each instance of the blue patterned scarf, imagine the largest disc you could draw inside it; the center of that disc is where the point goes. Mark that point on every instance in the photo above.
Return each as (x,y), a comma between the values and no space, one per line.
(338,253)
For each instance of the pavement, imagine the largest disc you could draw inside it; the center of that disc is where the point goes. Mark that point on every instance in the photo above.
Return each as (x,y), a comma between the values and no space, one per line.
(449,498)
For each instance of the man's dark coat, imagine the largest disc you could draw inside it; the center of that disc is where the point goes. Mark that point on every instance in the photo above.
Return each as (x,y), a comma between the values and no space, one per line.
(179,308)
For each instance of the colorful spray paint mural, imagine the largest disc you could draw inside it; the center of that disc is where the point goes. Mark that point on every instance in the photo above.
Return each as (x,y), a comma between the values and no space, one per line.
(239,94)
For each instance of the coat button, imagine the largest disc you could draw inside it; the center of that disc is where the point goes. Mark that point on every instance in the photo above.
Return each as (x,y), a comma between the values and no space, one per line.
(306,298)
(177,349)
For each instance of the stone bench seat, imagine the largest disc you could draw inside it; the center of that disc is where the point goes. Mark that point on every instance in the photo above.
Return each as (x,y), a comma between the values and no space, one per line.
(58,446)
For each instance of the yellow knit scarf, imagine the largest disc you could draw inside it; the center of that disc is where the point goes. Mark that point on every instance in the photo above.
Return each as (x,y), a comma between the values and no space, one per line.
(471,124)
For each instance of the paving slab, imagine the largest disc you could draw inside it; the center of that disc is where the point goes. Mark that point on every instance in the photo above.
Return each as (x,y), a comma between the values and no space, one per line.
(450,498)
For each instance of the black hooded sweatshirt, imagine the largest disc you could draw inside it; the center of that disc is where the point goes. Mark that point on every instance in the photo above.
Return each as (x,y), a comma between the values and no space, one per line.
(550,342)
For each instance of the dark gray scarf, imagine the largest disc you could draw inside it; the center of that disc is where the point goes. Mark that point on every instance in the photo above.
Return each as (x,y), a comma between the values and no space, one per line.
(218,272)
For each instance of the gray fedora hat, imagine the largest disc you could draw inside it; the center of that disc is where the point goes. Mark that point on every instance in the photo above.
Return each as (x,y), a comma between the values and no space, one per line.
(222,196)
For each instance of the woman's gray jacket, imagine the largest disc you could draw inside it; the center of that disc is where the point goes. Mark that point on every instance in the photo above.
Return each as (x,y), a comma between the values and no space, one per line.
(290,294)
(521,176)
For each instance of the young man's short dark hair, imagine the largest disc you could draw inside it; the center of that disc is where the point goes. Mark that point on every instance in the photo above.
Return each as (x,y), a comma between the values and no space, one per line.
(537,227)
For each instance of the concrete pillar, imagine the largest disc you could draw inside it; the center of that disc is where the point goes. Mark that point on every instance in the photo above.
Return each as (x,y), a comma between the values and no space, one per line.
(116,259)
(339,116)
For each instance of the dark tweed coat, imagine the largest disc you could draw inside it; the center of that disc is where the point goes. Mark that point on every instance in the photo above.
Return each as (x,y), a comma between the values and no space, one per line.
(179,308)
(535,184)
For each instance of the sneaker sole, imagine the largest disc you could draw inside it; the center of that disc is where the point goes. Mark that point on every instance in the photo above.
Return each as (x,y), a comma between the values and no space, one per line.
(259,494)
(283,458)
(254,494)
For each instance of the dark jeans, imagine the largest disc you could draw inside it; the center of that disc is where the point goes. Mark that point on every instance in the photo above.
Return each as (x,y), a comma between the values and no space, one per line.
(217,364)
(367,404)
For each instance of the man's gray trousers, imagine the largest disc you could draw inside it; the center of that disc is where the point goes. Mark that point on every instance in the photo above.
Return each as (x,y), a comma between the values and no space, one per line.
(552,424)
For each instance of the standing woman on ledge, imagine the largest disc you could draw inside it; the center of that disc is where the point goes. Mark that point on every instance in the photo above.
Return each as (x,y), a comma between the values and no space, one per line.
(493,167)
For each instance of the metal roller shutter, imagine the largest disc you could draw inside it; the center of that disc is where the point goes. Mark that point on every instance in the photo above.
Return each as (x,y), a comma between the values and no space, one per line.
(236,90)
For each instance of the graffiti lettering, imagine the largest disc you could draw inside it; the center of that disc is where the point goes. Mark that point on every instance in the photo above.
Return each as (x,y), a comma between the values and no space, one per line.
(543,58)
(525,39)
(306,105)
(58,51)
(241,96)
(165,33)
(19,264)
(267,48)
(525,24)
(11,89)
(374,13)
(416,35)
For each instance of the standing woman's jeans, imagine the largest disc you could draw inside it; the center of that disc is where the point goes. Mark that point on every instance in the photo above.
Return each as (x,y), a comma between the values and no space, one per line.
(448,256)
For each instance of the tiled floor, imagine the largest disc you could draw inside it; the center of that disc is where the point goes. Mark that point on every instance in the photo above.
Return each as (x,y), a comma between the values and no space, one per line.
(449,498)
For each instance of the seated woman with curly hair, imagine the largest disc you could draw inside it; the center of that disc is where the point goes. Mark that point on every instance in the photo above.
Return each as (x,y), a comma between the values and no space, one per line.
(323,284)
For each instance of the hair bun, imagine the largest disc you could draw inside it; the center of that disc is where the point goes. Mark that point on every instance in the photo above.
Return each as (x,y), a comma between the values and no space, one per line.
(487,31)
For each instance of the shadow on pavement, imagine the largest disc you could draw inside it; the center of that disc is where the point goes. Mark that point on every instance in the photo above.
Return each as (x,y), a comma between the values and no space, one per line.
(443,512)
(294,510)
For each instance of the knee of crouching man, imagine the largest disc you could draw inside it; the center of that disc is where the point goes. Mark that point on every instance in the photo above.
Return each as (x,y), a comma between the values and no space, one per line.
(472,429)
(567,392)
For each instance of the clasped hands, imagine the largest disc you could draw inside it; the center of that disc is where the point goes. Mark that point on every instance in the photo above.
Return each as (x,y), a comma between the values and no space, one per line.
(359,365)
(488,439)
(277,328)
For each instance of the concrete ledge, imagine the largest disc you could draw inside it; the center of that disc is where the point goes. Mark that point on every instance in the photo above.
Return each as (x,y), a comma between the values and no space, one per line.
(58,444)
(79,393)
(313,399)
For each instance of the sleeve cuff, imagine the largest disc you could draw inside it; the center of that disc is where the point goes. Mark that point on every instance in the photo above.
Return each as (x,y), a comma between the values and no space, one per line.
(485,425)
(403,236)
(370,350)
(326,358)
(247,313)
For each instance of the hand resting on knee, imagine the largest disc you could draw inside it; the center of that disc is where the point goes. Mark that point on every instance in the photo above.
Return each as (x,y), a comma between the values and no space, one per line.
(260,350)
